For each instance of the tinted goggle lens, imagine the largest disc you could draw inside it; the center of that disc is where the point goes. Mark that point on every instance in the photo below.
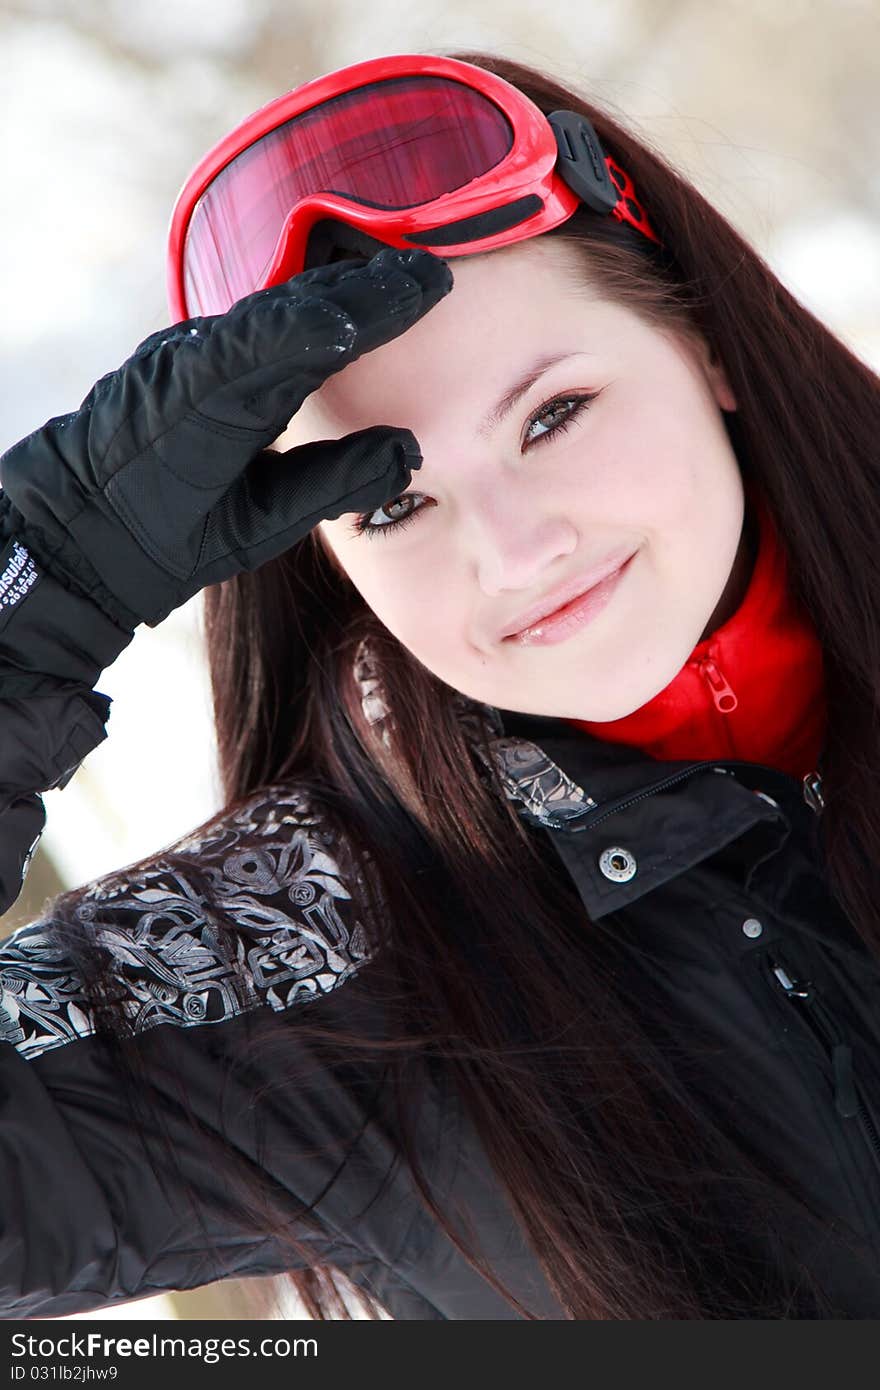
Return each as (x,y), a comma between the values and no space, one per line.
(393,144)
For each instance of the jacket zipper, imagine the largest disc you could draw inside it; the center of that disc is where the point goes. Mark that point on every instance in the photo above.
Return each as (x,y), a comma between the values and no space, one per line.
(848,1101)
(722,694)
(724,697)
(589,820)
(726,702)
(719,687)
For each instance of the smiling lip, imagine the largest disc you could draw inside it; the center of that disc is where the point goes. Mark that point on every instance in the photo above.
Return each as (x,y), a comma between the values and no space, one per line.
(552,605)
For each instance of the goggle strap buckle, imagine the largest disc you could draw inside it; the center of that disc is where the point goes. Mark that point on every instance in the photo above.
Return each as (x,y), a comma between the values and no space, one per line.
(581,161)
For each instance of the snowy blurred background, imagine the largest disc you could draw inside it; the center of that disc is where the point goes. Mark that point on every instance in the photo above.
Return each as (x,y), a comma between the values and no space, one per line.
(772,107)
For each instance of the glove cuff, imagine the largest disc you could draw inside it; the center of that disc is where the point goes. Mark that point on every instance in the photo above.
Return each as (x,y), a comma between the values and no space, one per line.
(69,567)
(42,743)
(47,628)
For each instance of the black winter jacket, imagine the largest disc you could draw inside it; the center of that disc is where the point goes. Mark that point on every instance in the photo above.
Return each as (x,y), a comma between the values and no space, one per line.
(714,868)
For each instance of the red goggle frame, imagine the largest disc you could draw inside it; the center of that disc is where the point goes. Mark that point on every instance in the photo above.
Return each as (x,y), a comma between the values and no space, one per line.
(411,150)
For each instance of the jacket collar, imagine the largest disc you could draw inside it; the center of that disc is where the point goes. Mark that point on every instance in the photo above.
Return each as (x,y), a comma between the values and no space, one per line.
(562,778)
(623,822)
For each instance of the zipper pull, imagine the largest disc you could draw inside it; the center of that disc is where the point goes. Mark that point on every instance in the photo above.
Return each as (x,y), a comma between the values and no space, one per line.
(795,989)
(722,692)
(846,1102)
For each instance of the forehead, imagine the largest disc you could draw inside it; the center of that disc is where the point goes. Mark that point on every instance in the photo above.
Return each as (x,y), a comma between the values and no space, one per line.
(502,304)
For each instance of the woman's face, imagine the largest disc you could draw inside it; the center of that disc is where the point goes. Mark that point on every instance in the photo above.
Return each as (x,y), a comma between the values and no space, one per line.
(505,510)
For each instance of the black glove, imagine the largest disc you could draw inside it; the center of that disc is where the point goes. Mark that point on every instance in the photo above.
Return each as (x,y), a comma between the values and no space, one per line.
(161,483)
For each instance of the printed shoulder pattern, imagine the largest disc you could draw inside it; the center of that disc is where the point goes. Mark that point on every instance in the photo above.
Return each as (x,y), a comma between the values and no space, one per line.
(276,877)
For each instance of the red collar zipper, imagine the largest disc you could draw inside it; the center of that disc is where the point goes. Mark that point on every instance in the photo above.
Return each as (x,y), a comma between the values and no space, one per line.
(719,687)
(726,702)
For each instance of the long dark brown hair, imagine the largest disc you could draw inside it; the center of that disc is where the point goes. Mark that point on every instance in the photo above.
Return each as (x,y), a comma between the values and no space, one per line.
(629,1189)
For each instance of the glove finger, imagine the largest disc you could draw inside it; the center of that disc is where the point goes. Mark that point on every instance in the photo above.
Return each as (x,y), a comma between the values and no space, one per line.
(275,348)
(283,496)
(204,397)
(180,473)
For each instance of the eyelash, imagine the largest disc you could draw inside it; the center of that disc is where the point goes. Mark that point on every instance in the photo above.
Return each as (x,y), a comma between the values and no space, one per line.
(361,526)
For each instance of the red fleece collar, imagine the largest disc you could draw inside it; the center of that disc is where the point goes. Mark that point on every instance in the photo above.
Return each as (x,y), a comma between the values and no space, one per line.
(753,689)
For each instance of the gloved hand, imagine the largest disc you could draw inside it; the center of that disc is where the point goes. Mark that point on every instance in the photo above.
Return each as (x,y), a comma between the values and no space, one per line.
(161,483)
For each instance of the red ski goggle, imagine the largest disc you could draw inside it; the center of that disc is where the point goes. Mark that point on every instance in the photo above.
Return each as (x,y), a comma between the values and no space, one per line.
(411,150)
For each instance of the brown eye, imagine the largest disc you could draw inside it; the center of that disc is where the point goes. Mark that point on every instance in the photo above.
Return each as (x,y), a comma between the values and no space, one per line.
(573,405)
(365,526)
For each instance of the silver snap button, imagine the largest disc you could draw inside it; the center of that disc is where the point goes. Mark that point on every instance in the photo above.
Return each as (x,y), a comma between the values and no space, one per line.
(752,927)
(768,799)
(617,864)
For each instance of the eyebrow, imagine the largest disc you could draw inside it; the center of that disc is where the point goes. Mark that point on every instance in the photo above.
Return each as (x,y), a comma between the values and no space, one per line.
(519,388)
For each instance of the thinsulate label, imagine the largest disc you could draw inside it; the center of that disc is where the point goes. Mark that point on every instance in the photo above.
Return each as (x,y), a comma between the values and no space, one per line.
(18,576)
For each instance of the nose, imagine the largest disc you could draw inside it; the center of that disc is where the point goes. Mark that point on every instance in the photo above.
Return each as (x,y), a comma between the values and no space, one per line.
(515,545)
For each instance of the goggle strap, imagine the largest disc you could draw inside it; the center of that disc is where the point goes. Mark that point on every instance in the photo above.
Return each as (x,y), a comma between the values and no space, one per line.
(594,176)
(485,224)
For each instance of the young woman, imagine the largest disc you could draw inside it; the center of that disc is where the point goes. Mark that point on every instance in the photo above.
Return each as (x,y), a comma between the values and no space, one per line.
(530,969)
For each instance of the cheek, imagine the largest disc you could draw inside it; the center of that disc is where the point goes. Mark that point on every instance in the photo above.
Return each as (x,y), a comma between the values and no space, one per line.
(657,458)
(401,591)
(617,472)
